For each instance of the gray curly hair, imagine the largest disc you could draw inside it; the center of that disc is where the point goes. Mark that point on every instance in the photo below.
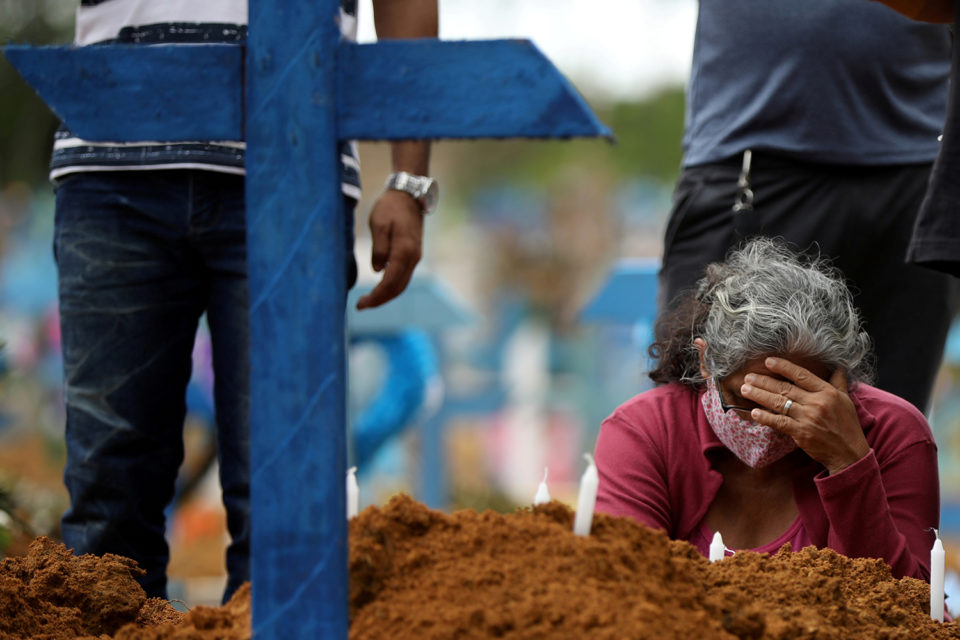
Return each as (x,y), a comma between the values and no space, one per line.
(763,300)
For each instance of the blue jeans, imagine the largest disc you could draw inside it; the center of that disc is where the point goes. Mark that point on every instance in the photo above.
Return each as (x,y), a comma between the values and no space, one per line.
(141,255)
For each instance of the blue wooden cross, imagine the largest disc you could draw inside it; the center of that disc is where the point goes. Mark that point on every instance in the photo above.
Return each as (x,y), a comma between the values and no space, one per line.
(294,92)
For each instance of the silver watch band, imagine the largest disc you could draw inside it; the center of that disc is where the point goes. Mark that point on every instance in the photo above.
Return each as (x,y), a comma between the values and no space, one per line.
(422,188)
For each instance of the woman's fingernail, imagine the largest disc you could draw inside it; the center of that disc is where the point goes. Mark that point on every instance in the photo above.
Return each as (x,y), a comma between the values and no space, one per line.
(746,389)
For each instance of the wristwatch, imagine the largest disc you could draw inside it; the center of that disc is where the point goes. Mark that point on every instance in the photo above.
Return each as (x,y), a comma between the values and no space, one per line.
(424,190)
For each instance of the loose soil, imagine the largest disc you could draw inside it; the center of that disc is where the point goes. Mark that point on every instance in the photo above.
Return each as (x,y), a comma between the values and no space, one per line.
(417,573)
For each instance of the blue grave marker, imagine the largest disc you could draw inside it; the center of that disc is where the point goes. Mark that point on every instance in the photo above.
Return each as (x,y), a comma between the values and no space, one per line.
(627,296)
(305,89)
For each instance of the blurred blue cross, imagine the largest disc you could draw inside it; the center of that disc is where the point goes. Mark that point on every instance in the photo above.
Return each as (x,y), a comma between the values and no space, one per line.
(294,92)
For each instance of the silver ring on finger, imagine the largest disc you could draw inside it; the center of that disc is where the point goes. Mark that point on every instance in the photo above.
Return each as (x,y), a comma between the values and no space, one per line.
(786,406)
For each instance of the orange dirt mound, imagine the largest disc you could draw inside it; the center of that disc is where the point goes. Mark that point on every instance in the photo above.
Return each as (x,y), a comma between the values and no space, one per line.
(417,573)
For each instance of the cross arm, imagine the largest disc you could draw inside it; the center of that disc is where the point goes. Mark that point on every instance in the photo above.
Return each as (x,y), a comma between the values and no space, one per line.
(124,93)
(400,89)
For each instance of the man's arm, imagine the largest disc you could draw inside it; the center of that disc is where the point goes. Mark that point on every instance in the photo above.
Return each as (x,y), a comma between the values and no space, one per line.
(925,10)
(396,221)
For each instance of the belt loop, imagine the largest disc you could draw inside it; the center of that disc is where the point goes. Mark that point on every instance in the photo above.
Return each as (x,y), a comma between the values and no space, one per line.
(744,200)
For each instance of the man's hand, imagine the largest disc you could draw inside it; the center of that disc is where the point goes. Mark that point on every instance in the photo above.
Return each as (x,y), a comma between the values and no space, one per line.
(396,222)
(396,228)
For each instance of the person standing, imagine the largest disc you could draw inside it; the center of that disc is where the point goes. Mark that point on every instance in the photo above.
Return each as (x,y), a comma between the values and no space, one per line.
(936,236)
(148,237)
(805,122)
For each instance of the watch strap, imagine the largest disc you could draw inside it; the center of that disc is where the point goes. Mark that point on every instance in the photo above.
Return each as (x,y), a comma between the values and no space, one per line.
(423,189)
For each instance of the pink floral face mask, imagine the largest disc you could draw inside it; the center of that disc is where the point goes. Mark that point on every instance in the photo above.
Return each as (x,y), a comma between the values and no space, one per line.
(757,445)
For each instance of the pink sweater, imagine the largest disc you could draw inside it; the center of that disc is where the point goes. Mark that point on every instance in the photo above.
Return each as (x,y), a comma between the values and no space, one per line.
(652,459)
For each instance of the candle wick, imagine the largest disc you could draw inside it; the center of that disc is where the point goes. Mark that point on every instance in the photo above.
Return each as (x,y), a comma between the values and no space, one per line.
(545,472)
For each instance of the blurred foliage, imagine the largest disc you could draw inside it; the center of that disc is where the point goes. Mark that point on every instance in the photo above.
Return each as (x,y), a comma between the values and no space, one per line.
(647,142)
(23,20)
(26,125)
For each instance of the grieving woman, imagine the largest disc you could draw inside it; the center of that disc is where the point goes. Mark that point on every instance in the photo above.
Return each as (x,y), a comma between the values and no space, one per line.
(764,426)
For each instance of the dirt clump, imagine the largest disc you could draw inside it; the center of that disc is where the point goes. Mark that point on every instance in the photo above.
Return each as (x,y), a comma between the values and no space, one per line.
(418,573)
(229,622)
(51,594)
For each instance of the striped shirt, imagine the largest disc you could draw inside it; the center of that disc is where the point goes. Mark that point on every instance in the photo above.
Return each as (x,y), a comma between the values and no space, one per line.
(172,22)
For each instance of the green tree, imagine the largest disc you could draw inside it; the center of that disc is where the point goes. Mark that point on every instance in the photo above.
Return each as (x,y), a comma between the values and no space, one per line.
(26,124)
(647,143)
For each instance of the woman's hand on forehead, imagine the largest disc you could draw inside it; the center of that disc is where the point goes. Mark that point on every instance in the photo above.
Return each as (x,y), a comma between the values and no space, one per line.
(817,413)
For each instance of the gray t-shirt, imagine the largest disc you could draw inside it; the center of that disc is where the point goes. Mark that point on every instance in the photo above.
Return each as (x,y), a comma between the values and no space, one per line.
(829,81)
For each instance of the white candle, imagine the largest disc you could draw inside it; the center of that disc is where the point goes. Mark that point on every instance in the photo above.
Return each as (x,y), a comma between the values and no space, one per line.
(716,547)
(937,562)
(586,499)
(353,493)
(543,494)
